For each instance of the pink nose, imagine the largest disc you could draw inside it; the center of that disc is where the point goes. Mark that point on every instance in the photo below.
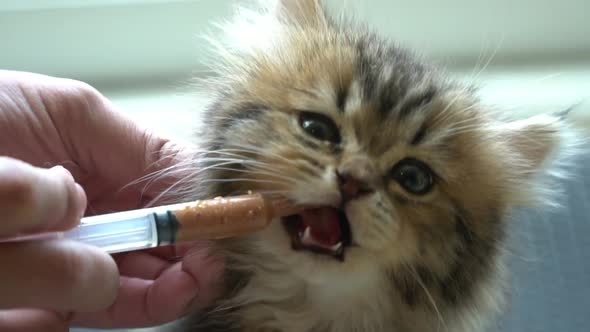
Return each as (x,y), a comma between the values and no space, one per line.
(350,187)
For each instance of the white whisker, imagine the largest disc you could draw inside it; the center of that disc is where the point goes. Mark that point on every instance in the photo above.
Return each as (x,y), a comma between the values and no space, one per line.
(429,295)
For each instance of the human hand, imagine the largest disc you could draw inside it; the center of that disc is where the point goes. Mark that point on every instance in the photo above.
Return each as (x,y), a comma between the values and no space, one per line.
(44,122)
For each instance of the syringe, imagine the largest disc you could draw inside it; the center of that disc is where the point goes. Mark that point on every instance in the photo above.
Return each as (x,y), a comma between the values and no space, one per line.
(152,227)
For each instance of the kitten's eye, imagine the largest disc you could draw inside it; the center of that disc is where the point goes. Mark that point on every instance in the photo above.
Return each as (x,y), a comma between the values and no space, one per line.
(414,176)
(319,126)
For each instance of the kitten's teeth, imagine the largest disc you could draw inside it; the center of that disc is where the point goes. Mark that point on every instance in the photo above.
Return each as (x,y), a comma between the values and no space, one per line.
(336,247)
(308,240)
(340,254)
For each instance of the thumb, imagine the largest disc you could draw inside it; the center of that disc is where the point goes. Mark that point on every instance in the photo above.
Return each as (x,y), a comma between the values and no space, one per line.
(57,274)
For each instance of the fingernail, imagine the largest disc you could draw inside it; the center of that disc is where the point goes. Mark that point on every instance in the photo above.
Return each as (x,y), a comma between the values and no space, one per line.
(82,200)
(60,169)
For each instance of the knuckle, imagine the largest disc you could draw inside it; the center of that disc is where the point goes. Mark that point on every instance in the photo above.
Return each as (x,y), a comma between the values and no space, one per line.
(75,98)
(85,93)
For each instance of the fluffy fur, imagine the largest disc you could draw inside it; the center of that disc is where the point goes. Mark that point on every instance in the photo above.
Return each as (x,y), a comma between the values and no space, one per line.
(420,262)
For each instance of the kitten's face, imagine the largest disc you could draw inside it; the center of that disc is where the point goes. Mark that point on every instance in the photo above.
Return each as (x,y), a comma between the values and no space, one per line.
(400,171)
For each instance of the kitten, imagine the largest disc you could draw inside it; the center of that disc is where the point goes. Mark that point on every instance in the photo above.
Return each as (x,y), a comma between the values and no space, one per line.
(406,177)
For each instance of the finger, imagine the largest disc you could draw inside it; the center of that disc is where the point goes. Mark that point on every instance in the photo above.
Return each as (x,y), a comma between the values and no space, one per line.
(159,183)
(58,274)
(208,271)
(32,320)
(149,264)
(145,302)
(76,117)
(181,249)
(127,153)
(35,199)
(176,251)
(178,289)
(141,265)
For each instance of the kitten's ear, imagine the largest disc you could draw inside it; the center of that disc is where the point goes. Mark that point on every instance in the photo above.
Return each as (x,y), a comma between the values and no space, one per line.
(533,140)
(304,13)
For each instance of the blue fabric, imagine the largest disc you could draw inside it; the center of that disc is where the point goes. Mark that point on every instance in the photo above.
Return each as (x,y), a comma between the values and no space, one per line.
(551,264)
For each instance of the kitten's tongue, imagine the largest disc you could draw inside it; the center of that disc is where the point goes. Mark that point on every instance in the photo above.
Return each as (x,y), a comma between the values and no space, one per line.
(321,227)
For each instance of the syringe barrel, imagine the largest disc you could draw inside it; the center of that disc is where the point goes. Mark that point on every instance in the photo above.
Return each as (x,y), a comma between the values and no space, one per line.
(117,232)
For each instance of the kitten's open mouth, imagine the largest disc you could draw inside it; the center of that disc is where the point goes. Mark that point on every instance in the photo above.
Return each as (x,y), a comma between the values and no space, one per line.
(322,230)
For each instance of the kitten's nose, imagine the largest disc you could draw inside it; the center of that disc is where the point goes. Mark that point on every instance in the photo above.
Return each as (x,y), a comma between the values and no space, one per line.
(351,187)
